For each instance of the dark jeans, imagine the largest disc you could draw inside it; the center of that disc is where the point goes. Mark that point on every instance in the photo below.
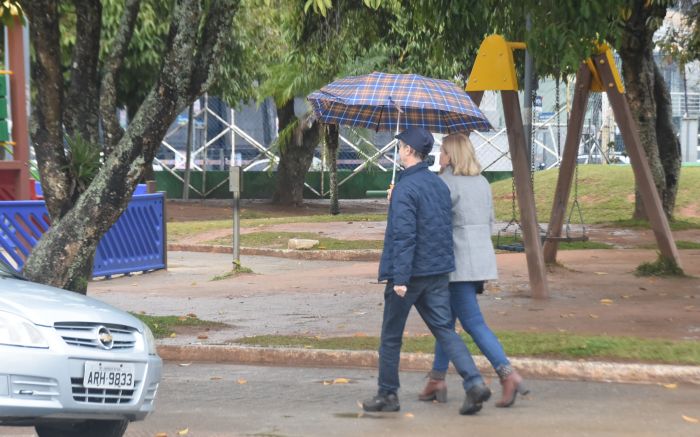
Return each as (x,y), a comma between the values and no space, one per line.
(466,308)
(431,297)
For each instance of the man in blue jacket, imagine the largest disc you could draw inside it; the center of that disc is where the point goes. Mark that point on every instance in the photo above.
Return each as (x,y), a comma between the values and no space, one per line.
(416,261)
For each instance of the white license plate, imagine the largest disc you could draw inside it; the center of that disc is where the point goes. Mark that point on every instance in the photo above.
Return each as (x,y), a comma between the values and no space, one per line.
(109,375)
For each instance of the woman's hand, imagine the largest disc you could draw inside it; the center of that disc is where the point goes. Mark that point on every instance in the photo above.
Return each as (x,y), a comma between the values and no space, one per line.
(400,290)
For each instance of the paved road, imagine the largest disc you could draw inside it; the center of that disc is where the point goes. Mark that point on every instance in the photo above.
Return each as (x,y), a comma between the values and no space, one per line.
(211,400)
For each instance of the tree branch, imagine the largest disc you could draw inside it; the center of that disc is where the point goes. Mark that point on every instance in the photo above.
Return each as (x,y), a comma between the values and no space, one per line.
(216,26)
(112,65)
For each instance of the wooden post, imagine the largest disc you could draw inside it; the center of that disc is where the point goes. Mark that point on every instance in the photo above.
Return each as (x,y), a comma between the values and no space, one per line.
(638,158)
(476,96)
(18,109)
(526,199)
(568,161)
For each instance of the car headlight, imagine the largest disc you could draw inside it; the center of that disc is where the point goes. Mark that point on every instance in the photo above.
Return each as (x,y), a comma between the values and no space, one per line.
(150,340)
(18,331)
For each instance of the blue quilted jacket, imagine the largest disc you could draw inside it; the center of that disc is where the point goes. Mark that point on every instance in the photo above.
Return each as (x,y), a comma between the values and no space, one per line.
(418,238)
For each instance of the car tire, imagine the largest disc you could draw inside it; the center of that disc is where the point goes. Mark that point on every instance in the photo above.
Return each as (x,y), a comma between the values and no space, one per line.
(89,428)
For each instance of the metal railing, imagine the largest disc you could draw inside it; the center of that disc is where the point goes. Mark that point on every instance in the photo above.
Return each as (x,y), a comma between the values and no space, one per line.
(135,243)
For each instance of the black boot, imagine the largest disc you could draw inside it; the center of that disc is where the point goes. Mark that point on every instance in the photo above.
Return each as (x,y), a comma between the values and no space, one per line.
(476,396)
(382,402)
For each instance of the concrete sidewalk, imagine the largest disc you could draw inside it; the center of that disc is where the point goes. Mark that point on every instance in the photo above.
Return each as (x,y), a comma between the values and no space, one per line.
(332,298)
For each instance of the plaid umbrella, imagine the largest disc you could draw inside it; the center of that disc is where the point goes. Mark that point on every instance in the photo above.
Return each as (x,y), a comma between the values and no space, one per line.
(393,102)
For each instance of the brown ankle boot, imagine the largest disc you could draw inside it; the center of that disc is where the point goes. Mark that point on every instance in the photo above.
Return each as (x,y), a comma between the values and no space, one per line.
(435,389)
(512,384)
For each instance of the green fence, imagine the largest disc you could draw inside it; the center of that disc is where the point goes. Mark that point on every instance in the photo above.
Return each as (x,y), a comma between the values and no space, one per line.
(260,184)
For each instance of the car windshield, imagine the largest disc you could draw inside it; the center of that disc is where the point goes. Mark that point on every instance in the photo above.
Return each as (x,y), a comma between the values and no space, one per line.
(6,270)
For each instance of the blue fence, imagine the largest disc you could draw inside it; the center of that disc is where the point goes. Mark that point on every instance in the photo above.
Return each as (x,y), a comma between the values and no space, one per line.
(135,243)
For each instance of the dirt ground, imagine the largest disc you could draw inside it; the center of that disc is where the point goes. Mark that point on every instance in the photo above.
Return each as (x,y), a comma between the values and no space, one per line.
(593,291)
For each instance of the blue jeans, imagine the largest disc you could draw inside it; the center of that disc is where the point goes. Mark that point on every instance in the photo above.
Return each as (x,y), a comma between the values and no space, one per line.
(466,309)
(431,297)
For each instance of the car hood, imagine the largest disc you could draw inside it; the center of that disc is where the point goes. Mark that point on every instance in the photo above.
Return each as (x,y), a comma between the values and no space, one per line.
(45,305)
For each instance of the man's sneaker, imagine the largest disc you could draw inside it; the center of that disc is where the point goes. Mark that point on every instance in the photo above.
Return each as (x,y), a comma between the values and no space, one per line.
(476,396)
(389,402)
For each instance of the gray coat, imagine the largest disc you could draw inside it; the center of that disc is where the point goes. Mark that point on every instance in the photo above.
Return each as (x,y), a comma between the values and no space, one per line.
(472,219)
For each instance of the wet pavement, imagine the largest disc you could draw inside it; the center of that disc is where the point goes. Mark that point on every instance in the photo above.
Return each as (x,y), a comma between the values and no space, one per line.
(209,400)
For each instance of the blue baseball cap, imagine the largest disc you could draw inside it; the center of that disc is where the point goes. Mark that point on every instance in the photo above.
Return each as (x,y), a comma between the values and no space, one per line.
(418,138)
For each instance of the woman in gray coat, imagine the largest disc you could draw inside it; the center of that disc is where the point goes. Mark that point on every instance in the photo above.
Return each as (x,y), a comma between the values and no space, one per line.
(472,218)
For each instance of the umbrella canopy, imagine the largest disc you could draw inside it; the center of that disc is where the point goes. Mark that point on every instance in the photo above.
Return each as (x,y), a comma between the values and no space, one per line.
(374,101)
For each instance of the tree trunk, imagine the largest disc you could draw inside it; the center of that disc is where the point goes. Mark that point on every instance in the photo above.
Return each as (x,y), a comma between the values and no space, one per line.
(81,114)
(298,138)
(47,115)
(669,143)
(332,141)
(108,88)
(650,103)
(64,255)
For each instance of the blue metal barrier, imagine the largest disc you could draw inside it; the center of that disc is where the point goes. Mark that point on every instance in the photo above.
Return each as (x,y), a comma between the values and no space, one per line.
(135,243)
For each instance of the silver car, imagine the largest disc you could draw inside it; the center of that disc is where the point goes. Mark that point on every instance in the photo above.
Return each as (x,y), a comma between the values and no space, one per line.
(71,365)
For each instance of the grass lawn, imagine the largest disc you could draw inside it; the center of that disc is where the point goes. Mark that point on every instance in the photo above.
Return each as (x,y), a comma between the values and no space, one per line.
(165,326)
(549,345)
(606,194)
(278,240)
(181,229)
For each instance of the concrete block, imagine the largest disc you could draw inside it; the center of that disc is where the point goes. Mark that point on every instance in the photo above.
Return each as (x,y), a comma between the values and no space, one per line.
(301,244)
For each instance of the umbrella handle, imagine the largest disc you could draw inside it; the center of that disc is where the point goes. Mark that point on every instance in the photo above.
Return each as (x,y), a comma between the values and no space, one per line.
(396,145)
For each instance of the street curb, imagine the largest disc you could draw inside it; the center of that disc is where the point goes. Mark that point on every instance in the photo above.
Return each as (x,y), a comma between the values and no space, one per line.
(315,255)
(530,367)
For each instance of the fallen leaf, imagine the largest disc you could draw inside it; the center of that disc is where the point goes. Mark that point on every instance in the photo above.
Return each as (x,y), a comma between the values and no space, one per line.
(327,383)
(242,381)
(341,381)
(202,337)
(359,334)
(162,434)
(183,431)
(215,378)
(606,301)
(409,415)
(690,419)
(185,364)
(182,318)
(359,404)
(671,386)
(600,273)
(593,316)
(173,335)
(625,296)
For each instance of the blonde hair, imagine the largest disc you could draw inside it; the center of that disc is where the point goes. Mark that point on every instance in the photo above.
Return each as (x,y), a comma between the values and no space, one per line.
(462,155)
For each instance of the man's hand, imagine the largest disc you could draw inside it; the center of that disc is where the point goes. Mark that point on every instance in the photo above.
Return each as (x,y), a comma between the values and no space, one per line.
(400,290)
